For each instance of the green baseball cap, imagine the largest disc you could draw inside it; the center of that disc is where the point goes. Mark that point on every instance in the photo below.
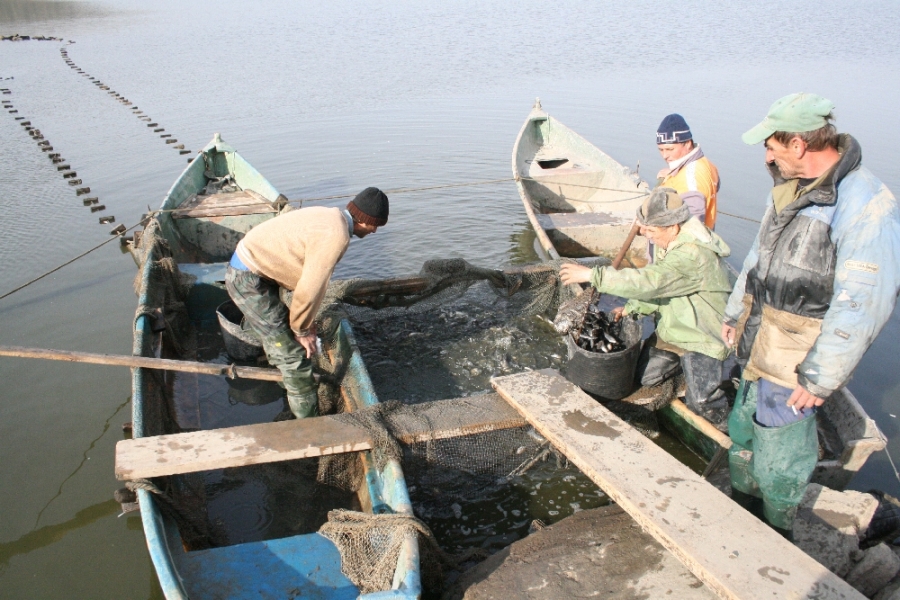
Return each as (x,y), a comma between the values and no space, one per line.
(795,113)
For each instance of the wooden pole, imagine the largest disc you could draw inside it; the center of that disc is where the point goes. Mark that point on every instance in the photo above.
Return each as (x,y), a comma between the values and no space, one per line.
(164,364)
(624,249)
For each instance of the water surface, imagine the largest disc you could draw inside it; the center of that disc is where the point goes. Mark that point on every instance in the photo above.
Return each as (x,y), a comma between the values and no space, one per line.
(325,98)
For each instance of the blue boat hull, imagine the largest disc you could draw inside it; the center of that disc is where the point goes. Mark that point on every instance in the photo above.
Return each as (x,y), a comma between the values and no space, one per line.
(306,565)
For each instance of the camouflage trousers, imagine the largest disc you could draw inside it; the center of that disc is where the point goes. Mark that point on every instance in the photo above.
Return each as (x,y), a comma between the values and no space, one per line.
(268,317)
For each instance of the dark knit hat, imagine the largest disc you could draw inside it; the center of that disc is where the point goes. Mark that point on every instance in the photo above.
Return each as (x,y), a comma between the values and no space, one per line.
(673,130)
(370,207)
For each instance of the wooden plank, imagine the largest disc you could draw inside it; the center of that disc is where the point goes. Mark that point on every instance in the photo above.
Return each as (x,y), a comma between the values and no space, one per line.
(224,211)
(305,438)
(236,446)
(224,204)
(727,548)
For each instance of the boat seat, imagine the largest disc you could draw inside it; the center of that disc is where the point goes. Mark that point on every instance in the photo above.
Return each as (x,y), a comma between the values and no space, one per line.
(578,235)
(569,220)
(226,204)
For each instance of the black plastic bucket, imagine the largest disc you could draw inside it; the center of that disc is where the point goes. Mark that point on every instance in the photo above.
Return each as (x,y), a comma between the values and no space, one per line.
(240,343)
(610,376)
(252,392)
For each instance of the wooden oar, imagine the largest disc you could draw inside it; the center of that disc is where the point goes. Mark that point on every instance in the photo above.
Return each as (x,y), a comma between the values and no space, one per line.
(164,364)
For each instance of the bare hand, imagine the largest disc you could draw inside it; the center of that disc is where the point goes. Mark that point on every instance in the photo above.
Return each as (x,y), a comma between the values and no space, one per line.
(728,335)
(801,399)
(618,312)
(308,342)
(572,273)
(663,173)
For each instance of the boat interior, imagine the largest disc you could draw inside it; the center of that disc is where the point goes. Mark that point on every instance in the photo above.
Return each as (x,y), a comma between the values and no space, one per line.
(235,529)
(582,199)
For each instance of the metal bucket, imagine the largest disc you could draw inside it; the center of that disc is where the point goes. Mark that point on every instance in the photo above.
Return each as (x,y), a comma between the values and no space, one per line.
(610,376)
(240,343)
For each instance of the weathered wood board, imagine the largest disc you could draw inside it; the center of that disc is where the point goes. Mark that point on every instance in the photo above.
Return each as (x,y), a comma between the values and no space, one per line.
(306,438)
(727,548)
(224,204)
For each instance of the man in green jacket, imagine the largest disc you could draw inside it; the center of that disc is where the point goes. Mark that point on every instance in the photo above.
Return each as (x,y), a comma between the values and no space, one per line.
(686,289)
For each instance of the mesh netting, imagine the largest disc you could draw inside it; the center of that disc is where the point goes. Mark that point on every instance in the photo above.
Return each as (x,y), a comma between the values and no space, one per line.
(166,290)
(527,290)
(440,334)
(370,546)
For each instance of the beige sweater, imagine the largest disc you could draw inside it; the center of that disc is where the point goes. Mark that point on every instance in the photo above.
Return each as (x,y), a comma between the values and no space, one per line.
(298,250)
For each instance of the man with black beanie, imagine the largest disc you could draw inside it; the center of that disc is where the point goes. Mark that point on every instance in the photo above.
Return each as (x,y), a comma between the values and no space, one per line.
(297,250)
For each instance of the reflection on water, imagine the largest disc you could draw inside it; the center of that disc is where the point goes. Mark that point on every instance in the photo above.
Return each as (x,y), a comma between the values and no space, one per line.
(326,98)
(43,537)
(16,12)
(84,459)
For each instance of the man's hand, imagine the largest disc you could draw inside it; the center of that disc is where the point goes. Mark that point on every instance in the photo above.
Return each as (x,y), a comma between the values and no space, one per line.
(572,273)
(308,341)
(617,313)
(801,399)
(728,335)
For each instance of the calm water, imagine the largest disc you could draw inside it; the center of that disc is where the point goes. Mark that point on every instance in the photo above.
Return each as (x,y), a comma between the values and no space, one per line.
(326,98)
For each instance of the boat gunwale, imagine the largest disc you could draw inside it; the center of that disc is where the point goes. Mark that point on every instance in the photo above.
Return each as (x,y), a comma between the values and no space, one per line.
(407,579)
(544,240)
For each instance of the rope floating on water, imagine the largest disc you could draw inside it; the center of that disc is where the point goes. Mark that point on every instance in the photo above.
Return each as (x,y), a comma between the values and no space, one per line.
(405,190)
(36,38)
(166,137)
(69,262)
(738,217)
(56,159)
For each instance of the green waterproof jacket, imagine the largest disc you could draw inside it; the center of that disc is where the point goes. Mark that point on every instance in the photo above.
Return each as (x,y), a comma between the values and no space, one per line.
(686,288)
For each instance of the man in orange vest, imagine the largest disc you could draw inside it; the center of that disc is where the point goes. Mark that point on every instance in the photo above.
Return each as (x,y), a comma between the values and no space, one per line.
(689,172)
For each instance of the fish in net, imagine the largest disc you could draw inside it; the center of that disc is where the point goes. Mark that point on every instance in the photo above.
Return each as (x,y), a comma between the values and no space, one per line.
(472,322)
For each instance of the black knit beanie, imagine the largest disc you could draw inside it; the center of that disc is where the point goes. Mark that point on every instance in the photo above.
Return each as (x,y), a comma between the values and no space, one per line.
(370,207)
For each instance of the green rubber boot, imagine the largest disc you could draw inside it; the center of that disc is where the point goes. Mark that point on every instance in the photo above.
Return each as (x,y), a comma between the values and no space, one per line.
(783,462)
(284,352)
(305,405)
(740,430)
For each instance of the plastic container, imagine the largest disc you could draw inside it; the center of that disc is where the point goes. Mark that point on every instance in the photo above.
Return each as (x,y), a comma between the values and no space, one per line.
(611,375)
(240,343)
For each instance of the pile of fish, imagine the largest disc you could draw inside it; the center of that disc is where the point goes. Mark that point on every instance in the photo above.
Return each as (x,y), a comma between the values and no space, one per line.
(599,332)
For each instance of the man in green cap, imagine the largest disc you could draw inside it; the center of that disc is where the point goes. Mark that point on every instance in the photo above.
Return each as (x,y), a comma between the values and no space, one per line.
(818,285)
(685,288)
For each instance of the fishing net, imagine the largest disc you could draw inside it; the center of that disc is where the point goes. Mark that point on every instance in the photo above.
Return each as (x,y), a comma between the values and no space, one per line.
(527,290)
(448,331)
(370,546)
(164,293)
(440,334)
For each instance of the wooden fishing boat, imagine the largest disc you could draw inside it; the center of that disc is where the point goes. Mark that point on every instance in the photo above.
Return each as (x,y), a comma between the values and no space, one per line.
(581,203)
(257,551)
